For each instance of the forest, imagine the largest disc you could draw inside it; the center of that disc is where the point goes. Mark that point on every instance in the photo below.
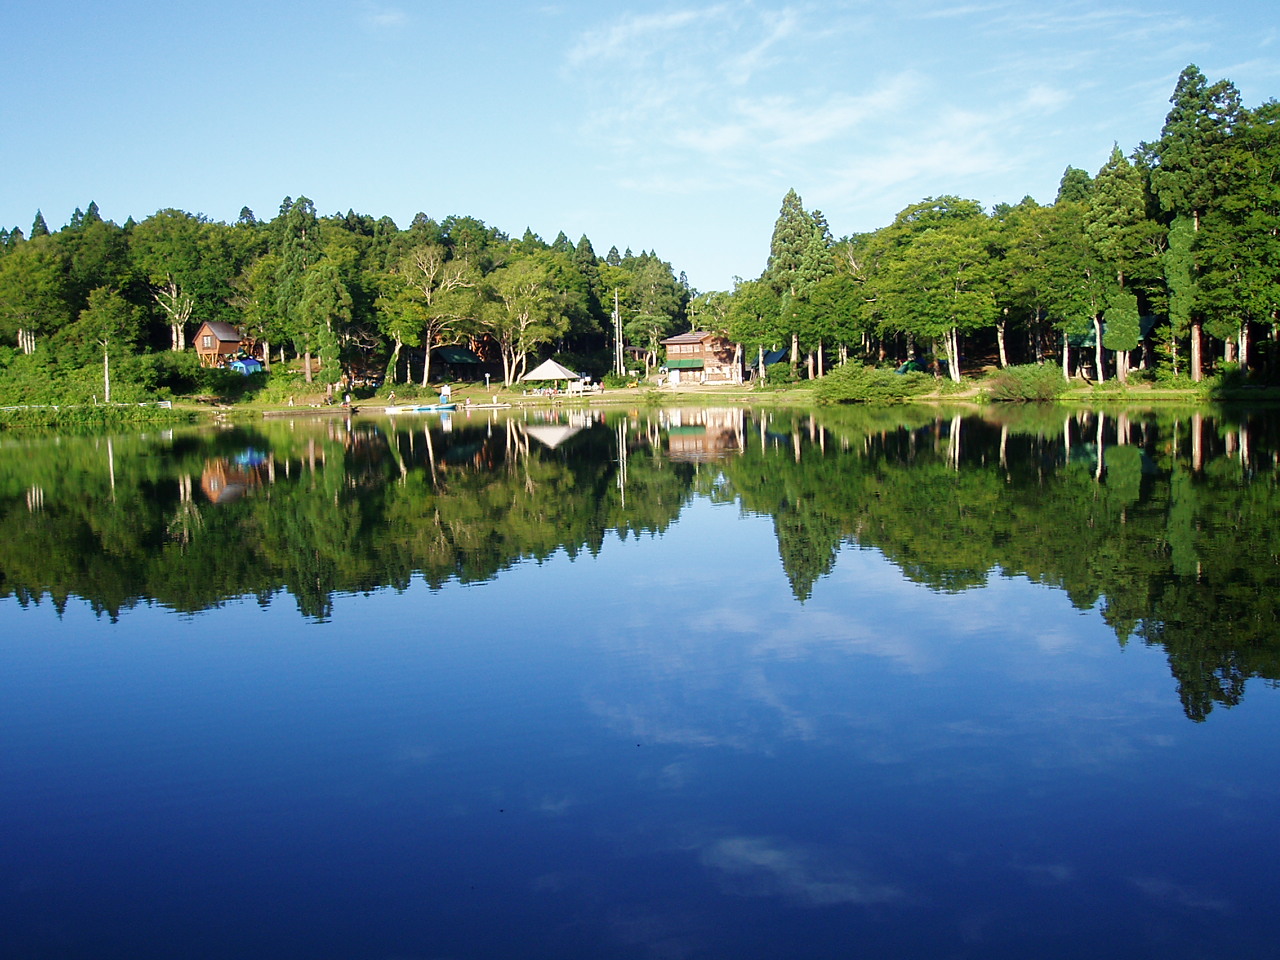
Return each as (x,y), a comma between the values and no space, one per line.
(1163,264)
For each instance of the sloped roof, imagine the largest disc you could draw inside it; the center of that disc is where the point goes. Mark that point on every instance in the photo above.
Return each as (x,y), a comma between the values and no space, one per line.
(550,370)
(695,336)
(223,331)
(456,354)
(770,358)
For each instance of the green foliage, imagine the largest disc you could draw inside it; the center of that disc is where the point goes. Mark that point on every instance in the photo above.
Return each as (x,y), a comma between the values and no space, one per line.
(1229,380)
(853,383)
(1076,186)
(82,415)
(614,381)
(173,374)
(1171,379)
(229,386)
(779,375)
(1029,382)
(1186,227)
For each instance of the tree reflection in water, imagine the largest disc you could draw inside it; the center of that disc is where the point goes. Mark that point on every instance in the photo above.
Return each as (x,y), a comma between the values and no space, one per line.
(1167,522)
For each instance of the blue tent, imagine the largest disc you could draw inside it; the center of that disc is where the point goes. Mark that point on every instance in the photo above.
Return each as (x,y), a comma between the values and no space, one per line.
(246,366)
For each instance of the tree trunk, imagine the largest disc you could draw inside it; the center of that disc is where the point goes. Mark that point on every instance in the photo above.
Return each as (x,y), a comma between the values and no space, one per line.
(426,363)
(1197,362)
(306,360)
(1066,356)
(953,443)
(106,375)
(1098,350)
(1000,331)
(1099,443)
(393,367)
(266,354)
(953,353)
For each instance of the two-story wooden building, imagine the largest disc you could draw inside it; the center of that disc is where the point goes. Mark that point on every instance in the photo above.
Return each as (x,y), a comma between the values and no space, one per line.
(216,342)
(701,357)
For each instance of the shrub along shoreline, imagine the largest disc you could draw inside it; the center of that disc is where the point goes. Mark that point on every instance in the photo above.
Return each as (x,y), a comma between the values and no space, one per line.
(264,394)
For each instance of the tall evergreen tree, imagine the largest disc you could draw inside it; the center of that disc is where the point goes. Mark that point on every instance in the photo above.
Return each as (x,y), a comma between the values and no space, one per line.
(1238,245)
(323,310)
(791,241)
(799,258)
(1076,186)
(297,244)
(1189,163)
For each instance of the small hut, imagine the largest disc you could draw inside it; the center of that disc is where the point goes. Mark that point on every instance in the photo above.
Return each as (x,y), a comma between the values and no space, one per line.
(216,341)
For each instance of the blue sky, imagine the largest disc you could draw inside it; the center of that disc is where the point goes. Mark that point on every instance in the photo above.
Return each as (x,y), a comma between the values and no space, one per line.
(675,127)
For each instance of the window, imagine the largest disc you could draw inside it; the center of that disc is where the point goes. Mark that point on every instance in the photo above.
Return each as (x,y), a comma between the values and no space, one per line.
(207,342)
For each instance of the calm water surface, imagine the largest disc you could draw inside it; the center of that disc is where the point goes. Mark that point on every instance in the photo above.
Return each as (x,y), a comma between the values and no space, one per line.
(678,684)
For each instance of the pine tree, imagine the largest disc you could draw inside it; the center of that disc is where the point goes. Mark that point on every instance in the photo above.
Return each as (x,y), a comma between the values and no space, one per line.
(792,237)
(1116,221)
(1238,245)
(799,259)
(1190,164)
(298,247)
(322,313)
(1076,186)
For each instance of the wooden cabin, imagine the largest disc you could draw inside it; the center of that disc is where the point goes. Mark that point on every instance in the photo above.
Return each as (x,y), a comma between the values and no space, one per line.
(216,341)
(701,357)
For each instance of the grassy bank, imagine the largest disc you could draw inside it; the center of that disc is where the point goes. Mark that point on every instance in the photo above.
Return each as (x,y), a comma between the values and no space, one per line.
(65,416)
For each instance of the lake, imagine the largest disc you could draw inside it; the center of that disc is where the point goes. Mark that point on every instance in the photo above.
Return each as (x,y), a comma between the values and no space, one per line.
(644,683)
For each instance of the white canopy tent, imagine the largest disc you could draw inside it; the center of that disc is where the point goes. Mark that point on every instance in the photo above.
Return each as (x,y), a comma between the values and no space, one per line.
(550,370)
(551,435)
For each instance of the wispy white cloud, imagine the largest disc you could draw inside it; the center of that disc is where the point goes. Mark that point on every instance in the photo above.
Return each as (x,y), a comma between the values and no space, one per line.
(379,17)
(762,867)
(867,109)
(953,11)
(633,37)
(779,26)
(1047,873)
(1158,888)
